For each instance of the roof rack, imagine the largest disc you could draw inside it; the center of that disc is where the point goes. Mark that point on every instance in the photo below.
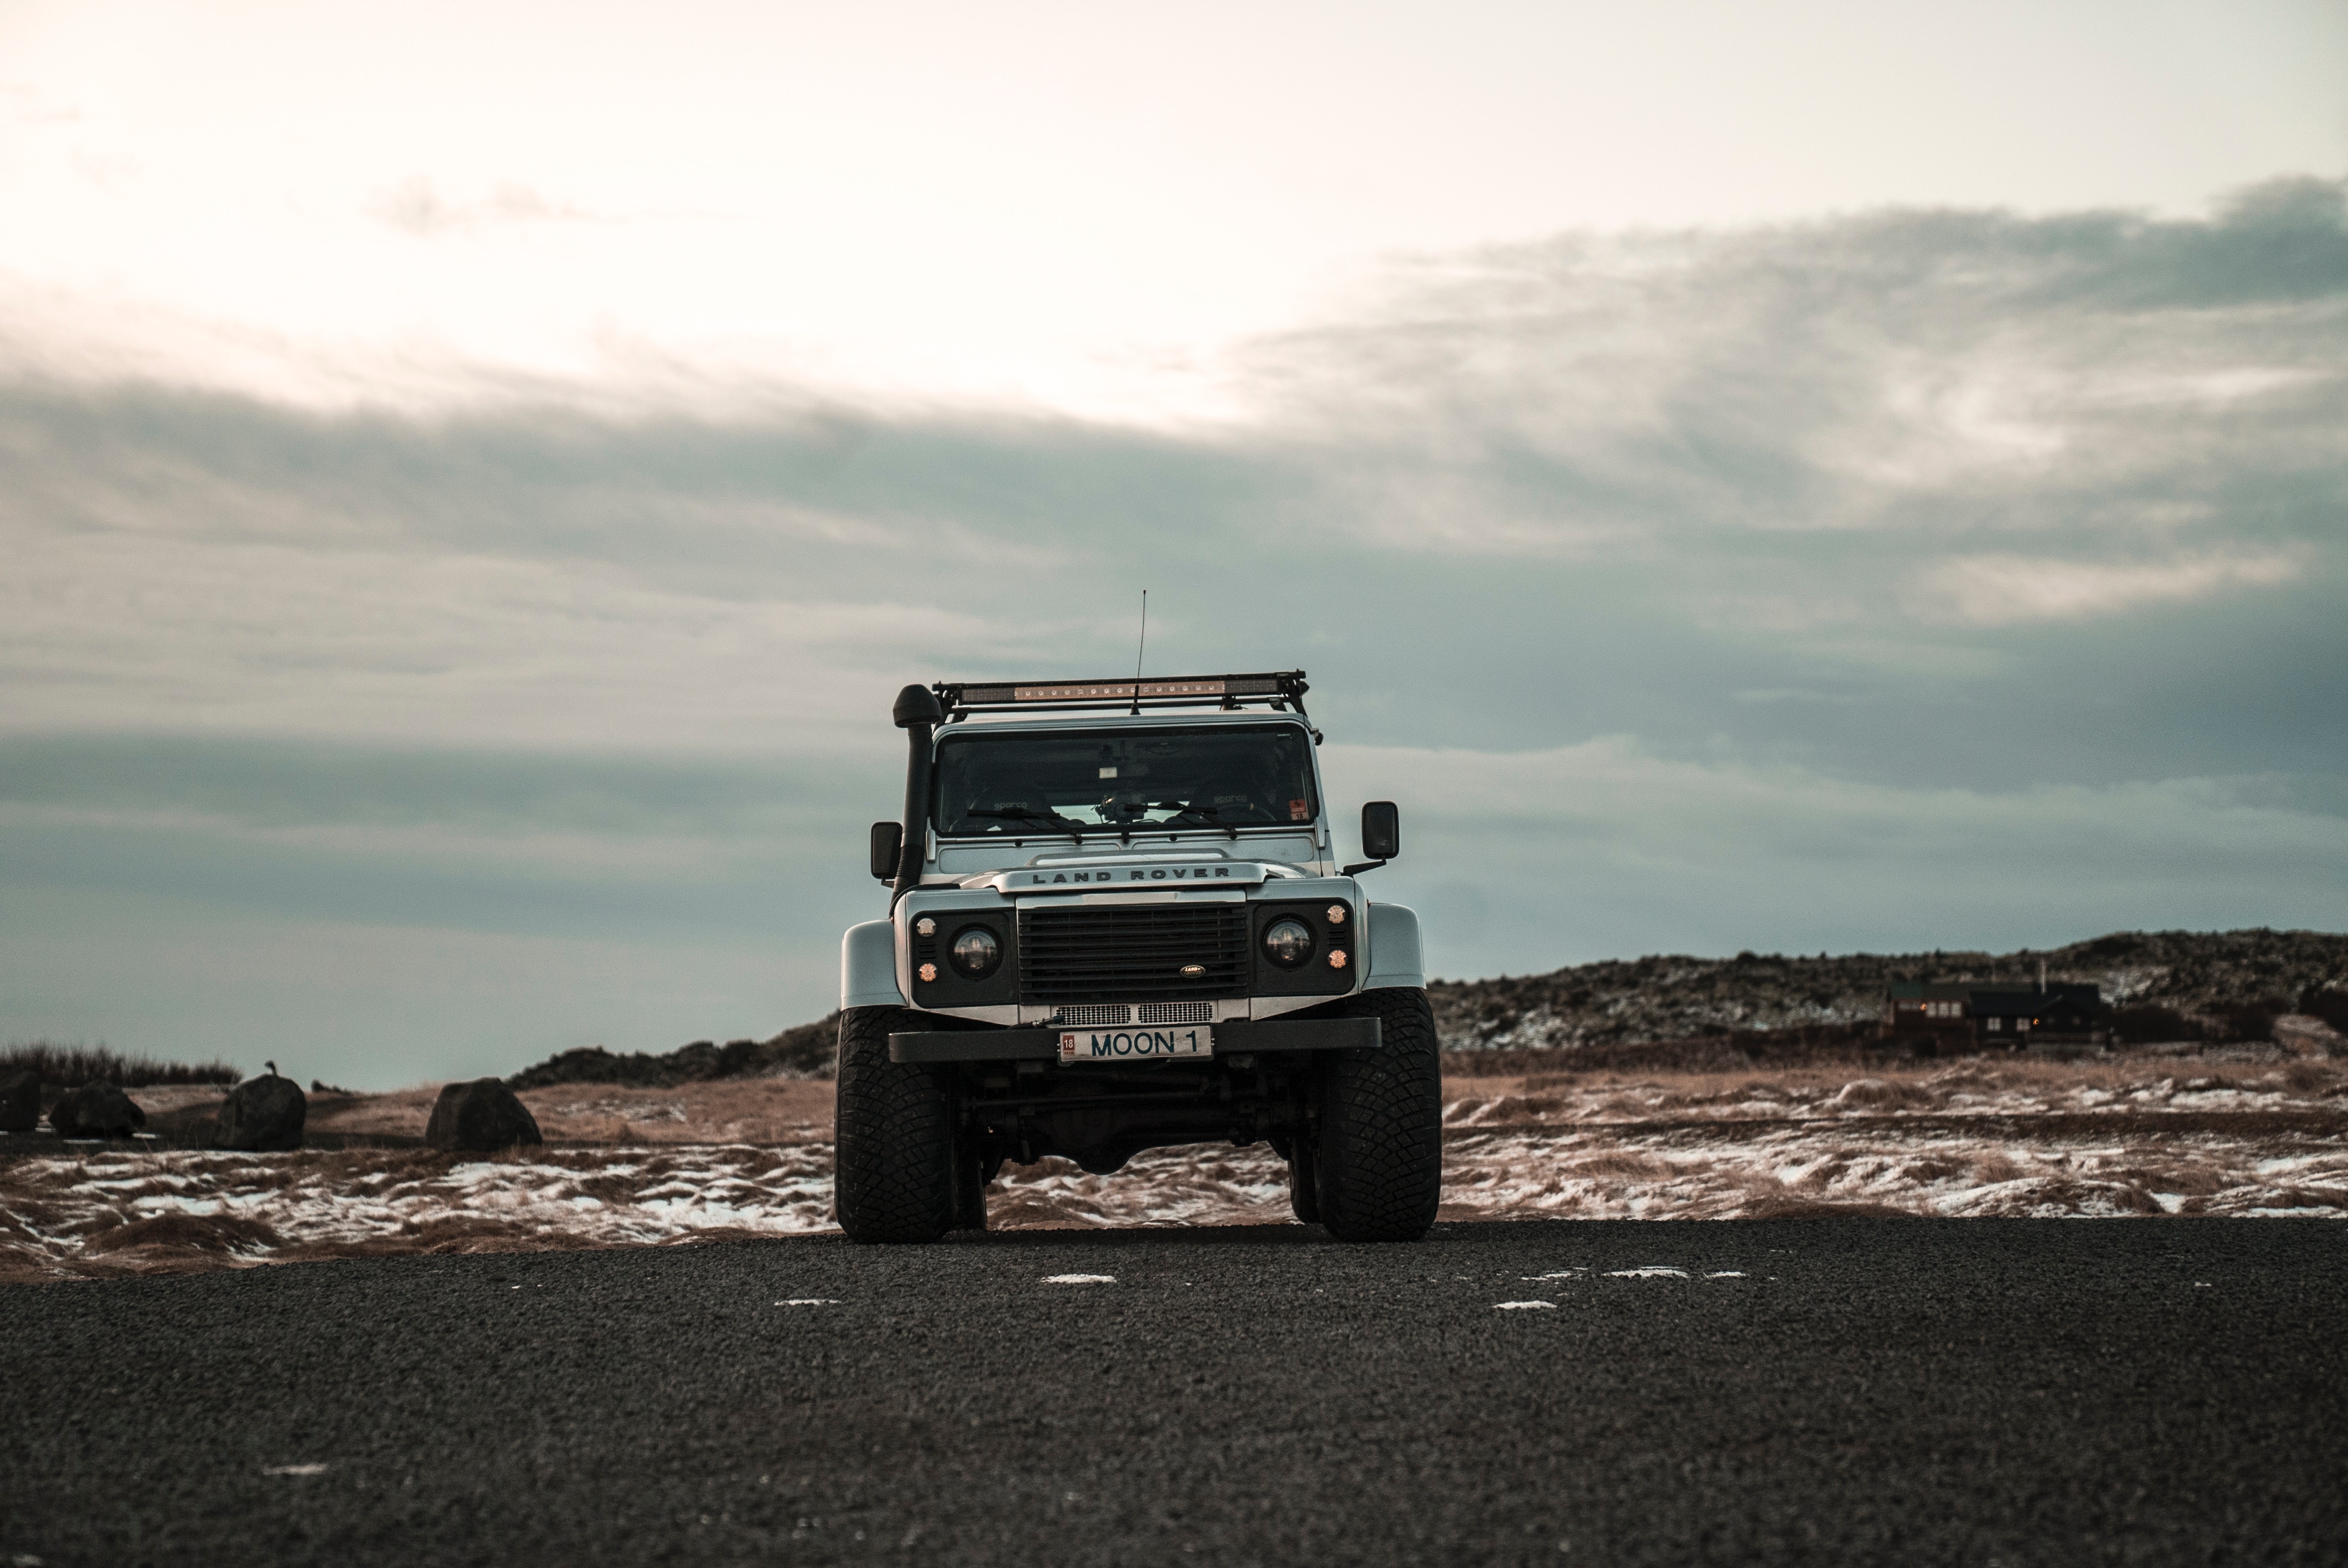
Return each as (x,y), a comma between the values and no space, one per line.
(1278,688)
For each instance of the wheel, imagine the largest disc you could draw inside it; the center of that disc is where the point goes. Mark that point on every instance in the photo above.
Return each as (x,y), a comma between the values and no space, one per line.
(892,1136)
(1378,1166)
(1303,1201)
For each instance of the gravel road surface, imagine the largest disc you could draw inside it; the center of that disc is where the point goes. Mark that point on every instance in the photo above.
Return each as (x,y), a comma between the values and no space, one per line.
(1846,1390)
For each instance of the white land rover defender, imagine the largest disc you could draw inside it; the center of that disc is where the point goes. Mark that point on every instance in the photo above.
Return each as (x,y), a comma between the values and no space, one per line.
(1116,925)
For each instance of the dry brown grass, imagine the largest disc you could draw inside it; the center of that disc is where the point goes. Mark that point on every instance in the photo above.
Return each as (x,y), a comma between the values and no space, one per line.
(203,1233)
(1921,1087)
(71,1066)
(769,1110)
(1616,1163)
(2309,1196)
(1997,1167)
(1983,1136)
(782,1112)
(141,1210)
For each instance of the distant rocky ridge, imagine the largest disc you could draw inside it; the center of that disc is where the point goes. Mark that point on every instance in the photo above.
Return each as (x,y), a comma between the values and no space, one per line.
(2220,985)
(804,1051)
(2162,984)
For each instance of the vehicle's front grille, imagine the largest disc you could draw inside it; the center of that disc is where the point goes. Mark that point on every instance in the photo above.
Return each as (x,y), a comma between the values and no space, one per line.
(1094,1015)
(1101,955)
(1177,1012)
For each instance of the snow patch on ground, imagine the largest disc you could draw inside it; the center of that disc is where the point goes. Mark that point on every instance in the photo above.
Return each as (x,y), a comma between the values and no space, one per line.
(116,1210)
(1973,1139)
(1970,1138)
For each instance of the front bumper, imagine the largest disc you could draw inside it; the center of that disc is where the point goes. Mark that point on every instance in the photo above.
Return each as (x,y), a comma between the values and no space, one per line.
(1235,1039)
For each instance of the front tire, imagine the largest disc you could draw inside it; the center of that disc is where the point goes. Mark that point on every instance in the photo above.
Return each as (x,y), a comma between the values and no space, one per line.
(892,1136)
(1379,1163)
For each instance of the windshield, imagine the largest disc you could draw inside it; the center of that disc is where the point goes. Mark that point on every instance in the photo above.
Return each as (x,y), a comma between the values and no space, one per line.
(1199,780)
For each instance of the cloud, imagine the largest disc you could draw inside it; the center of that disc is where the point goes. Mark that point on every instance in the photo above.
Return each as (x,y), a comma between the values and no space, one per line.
(396,911)
(1904,579)
(1606,848)
(416,207)
(535,577)
(1603,484)
(1902,372)
(2007,590)
(386,913)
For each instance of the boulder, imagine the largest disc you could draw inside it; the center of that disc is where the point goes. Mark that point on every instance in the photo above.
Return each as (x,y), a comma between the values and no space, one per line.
(20,1101)
(481,1115)
(263,1113)
(96,1110)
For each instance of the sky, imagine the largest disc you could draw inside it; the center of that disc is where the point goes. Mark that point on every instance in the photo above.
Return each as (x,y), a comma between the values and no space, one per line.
(1821,479)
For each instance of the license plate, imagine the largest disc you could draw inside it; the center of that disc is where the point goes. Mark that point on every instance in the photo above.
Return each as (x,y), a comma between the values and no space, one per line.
(1137,1044)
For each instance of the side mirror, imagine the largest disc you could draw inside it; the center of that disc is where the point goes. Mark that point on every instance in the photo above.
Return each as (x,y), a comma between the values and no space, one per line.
(888,843)
(1380,830)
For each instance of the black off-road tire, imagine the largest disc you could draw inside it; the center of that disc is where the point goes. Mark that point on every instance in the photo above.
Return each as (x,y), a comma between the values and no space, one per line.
(1304,1198)
(894,1160)
(1379,1165)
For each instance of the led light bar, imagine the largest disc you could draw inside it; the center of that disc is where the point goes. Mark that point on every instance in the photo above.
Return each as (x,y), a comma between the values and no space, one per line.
(1126,692)
(1281,689)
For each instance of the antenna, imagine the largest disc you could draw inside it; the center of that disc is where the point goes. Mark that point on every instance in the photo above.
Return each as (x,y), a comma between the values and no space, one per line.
(1139,651)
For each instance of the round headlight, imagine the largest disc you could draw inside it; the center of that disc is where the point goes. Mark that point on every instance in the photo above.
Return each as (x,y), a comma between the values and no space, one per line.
(977,951)
(1287,942)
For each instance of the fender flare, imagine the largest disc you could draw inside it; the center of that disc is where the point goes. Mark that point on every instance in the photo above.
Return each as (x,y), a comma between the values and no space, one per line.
(867,967)
(1395,958)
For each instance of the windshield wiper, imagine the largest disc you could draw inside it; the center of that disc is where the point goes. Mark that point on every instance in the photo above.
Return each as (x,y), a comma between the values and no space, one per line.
(1051,819)
(1212,814)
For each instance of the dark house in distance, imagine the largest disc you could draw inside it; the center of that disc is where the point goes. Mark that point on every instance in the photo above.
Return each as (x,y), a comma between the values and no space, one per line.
(1955,1017)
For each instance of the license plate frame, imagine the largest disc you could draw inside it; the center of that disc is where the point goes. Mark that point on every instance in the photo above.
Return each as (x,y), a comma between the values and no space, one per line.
(1146,1042)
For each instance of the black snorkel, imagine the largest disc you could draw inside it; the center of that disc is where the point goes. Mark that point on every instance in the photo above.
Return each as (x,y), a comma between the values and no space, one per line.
(918,715)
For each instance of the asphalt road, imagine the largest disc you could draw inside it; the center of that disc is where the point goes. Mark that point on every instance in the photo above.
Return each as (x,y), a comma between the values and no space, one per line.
(1979,1391)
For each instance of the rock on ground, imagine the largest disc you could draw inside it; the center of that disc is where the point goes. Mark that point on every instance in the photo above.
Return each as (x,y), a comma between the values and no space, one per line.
(481,1115)
(264,1112)
(97,1109)
(20,1101)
